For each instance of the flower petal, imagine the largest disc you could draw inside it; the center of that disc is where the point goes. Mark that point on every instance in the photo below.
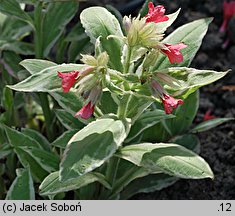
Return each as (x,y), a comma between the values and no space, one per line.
(170,103)
(173,52)
(86,111)
(156,14)
(68,79)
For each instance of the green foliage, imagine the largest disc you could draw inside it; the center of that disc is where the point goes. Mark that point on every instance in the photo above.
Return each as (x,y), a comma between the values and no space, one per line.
(52,185)
(32,155)
(22,187)
(94,20)
(91,147)
(191,34)
(209,124)
(172,159)
(109,155)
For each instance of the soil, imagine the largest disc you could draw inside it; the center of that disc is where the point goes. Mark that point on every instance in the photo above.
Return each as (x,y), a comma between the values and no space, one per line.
(217,145)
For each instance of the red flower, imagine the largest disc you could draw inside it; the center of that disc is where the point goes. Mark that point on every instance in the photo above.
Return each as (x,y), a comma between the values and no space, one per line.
(173,52)
(68,79)
(156,14)
(86,111)
(170,103)
(229,11)
(208,116)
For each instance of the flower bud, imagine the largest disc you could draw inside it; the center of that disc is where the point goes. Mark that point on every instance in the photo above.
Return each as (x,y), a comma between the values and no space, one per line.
(169,80)
(103,59)
(89,60)
(127,23)
(95,94)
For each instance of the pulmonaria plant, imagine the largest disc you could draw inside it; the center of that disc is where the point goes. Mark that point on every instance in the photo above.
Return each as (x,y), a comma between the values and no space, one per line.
(142,97)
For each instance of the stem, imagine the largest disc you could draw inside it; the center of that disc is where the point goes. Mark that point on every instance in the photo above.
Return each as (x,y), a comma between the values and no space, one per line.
(38,31)
(38,19)
(111,172)
(47,115)
(121,113)
(112,168)
(124,101)
(128,59)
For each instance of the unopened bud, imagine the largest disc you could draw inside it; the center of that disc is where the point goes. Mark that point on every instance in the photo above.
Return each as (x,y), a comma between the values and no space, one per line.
(89,60)
(95,94)
(157,89)
(127,23)
(103,59)
(167,79)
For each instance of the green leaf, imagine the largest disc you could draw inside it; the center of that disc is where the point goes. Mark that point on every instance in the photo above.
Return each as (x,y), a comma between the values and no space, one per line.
(8,104)
(33,134)
(34,66)
(45,81)
(57,16)
(69,101)
(191,34)
(158,181)
(107,103)
(136,106)
(77,47)
(12,60)
(209,124)
(68,120)
(126,173)
(77,33)
(15,29)
(147,184)
(190,79)
(144,10)
(146,120)
(22,187)
(51,184)
(164,25)
(189,141)
(63,140)
(91,147)
(18,47)
(99,22)
(5,150)
(31,154)
(172,159)
(12,8)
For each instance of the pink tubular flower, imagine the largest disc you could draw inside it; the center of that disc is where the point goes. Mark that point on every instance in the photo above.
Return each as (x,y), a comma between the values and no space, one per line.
(208,116)
(86,111)
(156,14)
(173,52)
(170,103)
(229,11)
(68,79)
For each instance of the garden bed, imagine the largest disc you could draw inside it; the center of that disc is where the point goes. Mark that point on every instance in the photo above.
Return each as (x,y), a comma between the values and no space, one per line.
(217,145)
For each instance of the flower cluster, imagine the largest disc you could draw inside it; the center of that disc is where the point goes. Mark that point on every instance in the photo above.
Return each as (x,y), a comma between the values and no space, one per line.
(141,34)
(172,51)
(88,82)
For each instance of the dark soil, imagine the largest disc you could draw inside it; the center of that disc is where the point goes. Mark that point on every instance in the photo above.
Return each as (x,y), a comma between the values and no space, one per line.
(217,145)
